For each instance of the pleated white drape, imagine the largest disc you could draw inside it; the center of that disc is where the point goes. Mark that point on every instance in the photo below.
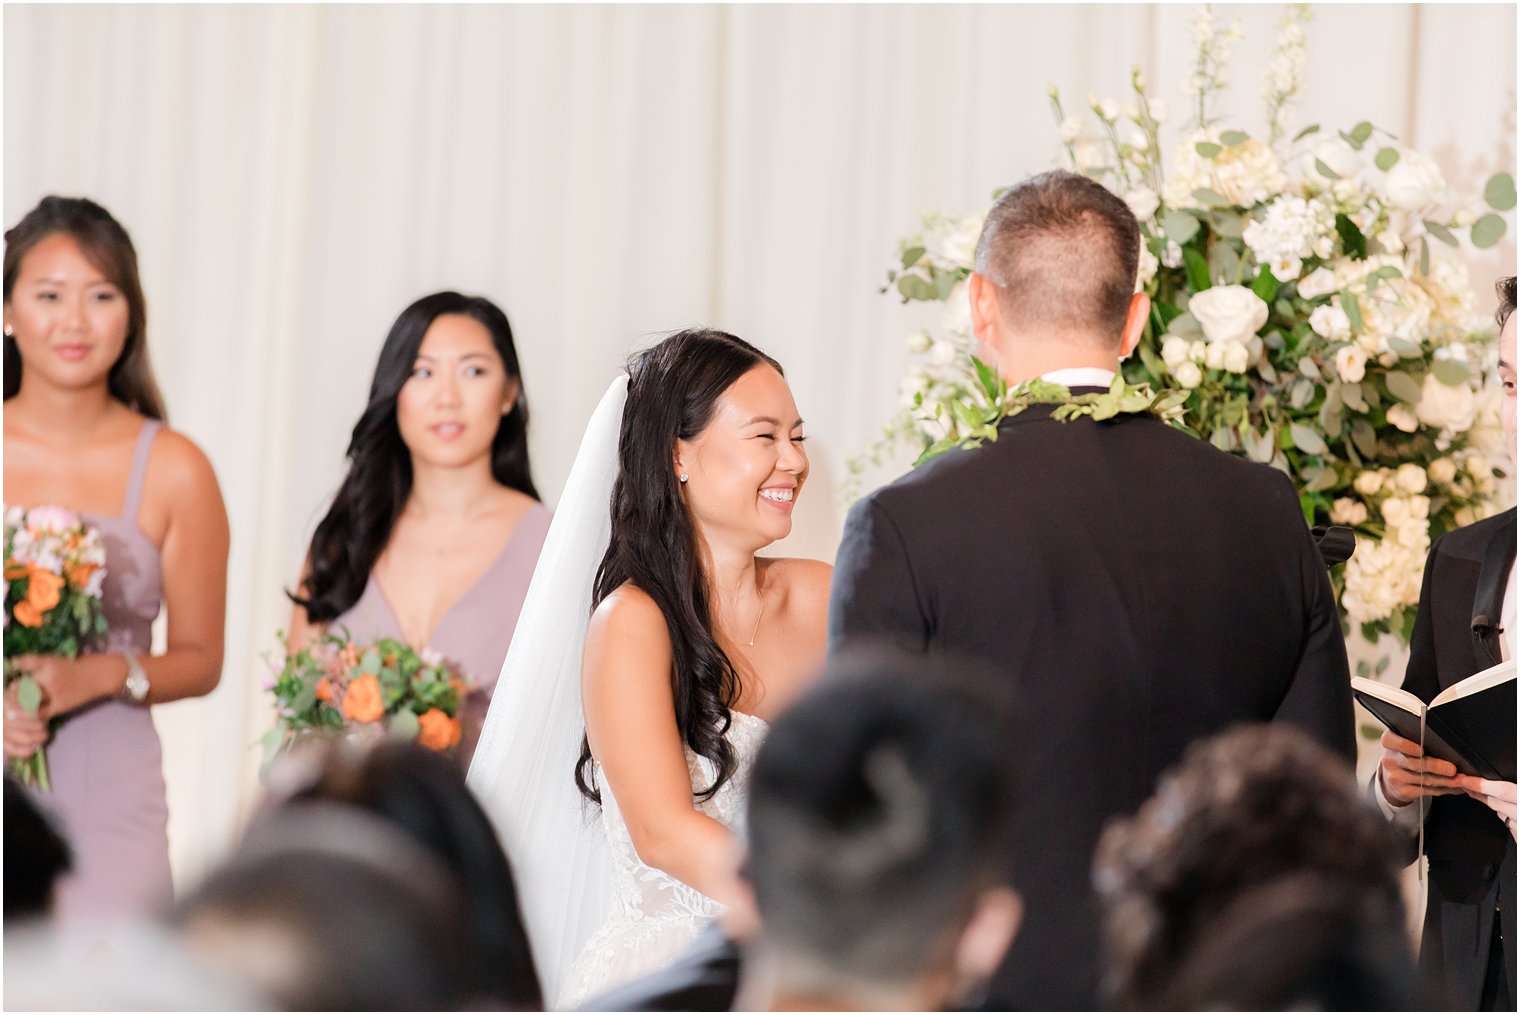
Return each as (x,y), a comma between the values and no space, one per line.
(293,176)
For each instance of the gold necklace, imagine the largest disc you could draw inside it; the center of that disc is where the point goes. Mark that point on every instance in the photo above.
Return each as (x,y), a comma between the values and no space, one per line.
(759,590)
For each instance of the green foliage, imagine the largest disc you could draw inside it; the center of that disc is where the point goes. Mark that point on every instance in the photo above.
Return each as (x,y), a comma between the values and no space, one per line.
(1499,192)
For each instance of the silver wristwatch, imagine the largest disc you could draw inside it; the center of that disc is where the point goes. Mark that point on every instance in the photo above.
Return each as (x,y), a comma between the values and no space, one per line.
(136,688)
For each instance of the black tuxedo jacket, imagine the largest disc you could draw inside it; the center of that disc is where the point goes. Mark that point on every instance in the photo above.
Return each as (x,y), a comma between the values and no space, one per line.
(1137,589)
(1472,856)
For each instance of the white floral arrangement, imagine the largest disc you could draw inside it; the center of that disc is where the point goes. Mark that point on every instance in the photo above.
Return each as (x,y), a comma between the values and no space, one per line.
(1301,296)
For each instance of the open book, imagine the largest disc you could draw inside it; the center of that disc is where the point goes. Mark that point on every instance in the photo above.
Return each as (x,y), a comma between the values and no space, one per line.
(1470,724)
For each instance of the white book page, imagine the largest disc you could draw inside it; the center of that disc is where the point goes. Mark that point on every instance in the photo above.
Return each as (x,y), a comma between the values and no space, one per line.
(1393,695)
(1481,681)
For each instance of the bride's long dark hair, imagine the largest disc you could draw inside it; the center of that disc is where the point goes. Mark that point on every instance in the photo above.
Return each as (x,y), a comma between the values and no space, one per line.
(673,389)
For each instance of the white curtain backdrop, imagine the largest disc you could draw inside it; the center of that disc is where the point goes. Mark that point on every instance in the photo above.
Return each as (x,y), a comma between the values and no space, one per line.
(293,176)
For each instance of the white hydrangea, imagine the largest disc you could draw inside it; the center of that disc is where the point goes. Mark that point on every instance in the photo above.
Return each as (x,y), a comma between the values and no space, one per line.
(1350,363)
(1348,511)
(1330,321)
(1287,232)
(1245,174)
(1385,574)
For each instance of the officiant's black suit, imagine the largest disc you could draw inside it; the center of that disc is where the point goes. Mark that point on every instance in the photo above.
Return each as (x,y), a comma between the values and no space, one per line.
(1472,855)
(1136,589)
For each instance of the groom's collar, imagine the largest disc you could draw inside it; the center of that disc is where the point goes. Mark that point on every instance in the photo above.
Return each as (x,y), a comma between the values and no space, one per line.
(1080,377)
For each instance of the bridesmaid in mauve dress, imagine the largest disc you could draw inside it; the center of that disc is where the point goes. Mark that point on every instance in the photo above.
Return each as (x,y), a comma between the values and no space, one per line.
(83,423)
(434,533)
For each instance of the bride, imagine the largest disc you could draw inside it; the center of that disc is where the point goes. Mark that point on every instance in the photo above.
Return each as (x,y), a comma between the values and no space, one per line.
(693,644)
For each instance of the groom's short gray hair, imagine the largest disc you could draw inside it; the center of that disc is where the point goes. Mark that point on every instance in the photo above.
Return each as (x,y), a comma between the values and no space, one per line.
(1063,251)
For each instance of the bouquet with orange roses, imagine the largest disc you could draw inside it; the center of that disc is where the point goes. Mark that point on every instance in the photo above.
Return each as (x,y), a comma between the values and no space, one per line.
(334,687)
(54,567)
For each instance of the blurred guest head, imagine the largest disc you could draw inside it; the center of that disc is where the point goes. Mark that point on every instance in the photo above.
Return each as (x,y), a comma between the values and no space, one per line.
(325,907)
(1242,811)
(1506,319)
(74,309)
(447,393)
(878,837)
(1055,276)
(710,463)
(1304,942)
(36,856)
(422,793)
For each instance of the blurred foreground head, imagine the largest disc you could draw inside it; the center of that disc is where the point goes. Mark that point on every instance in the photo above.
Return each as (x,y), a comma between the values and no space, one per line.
(324,907)
(1260,838)
(36,856)
(423,794)
(878,820)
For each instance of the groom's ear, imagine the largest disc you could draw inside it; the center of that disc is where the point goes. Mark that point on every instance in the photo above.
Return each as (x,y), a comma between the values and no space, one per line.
(986,313)
(1134,323)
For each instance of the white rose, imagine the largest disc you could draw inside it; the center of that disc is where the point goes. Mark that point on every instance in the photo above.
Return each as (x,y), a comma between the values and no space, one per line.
(1403,417)
(1071,128)
(1143,202)
(1319,282)
(1414,182)
(1236,358)
(1330,321)
(1367,483)
(1396,512)
(1350,362)
(1174,352)
(1198,351)
(1346,192)
(1409,478)
(1446,406)
(1342,159)
(1443,471)
(1346,511)
(1213,357)
(1189,375)
(1229,313)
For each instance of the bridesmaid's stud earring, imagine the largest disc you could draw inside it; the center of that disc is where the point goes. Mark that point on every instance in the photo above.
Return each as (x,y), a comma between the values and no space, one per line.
(683,477)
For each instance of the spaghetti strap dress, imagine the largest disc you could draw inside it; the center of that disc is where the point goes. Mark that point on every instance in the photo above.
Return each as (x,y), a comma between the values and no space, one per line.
(105,761)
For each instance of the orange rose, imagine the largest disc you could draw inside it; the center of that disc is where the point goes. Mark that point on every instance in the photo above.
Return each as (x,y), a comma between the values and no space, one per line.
(362,702)
(438,731)
(324,690)
(14,570)
(27,615)
(79,574)
(42,589)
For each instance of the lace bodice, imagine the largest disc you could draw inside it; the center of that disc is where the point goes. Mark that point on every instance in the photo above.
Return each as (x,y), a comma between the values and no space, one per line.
(654,916)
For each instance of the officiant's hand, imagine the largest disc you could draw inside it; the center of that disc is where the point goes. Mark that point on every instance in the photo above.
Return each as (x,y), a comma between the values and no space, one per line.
(1407,774)
(1500,796)
(23,733)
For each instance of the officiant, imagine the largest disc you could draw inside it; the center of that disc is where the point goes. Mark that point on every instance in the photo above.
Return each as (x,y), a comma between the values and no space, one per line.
(1464,625)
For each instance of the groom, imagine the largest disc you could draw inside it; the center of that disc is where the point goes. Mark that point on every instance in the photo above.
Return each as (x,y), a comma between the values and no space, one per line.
(1136,588)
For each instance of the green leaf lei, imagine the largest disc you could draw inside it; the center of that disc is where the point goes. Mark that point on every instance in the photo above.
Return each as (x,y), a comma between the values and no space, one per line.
(979,423)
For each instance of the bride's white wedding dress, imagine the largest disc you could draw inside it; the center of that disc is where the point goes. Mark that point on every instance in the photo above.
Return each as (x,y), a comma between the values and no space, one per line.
(654,917)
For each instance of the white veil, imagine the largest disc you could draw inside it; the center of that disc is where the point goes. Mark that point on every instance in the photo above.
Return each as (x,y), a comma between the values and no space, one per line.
(523,770)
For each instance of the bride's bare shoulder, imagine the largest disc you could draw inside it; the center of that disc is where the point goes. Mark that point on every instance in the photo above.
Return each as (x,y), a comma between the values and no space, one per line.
(803,578)
(628,612)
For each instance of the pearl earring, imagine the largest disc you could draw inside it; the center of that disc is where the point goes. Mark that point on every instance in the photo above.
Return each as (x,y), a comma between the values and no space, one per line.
(683,477)
(10,332)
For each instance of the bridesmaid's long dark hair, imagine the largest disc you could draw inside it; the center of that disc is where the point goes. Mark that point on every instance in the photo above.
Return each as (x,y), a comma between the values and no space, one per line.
(349,539)
(106,245)
(673,389)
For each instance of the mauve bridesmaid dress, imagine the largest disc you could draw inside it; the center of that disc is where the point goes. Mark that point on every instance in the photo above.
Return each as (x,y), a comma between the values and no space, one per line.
(475,632)
(105,761)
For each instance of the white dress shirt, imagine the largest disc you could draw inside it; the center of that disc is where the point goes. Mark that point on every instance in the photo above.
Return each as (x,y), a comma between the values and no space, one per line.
(1080,377)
